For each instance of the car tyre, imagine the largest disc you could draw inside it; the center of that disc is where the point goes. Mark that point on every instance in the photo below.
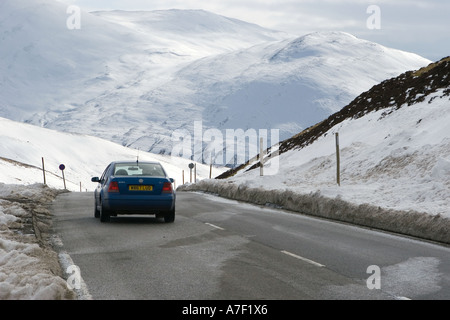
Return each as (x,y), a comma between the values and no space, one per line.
(105,216)
(96,211)
(170,216)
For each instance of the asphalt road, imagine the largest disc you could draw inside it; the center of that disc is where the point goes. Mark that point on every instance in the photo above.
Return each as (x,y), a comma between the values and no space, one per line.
(220,249)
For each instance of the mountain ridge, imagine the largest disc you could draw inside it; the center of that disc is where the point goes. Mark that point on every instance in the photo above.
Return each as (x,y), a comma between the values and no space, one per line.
(136,87)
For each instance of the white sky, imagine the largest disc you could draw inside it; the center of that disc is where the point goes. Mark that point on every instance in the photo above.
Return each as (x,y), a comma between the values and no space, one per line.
(419,26)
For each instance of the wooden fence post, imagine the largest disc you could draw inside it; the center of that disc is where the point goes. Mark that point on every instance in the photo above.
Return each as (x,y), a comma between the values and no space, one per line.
(338,161)
(261,157)
(43,170)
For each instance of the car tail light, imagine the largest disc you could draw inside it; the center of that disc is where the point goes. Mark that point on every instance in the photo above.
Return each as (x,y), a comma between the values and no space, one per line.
(113,187)
(167,187)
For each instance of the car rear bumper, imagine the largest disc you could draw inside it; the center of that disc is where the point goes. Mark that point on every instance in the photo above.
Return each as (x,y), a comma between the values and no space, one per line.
(137,205)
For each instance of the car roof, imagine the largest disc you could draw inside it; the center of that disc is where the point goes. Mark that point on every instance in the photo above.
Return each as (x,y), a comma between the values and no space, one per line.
(131,161)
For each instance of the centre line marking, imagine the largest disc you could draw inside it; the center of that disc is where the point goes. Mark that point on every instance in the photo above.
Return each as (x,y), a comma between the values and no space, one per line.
(303,259)
(214,226)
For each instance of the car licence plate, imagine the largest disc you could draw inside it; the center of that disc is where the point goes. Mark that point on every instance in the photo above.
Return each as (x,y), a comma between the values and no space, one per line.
(140,188)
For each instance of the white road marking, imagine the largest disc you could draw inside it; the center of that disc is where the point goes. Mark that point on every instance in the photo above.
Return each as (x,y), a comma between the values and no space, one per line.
(214,226)
(303,259)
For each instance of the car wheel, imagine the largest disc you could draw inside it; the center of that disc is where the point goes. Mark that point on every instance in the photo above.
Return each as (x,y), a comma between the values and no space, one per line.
(170,216)
(96,211)
(104,214)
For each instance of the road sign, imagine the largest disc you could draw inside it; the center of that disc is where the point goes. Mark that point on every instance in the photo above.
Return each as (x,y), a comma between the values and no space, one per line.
(191,166)
(62,167)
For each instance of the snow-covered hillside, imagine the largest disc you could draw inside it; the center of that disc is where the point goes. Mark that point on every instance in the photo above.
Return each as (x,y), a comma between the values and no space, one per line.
(135,77)
(22,147)
(394,147)
(398,160)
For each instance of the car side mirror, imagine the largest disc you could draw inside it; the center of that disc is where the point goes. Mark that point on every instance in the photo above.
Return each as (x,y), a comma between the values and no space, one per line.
(95,179)
(172,180)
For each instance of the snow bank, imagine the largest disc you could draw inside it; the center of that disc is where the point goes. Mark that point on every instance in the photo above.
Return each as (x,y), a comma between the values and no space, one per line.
(410,223)
(29,268)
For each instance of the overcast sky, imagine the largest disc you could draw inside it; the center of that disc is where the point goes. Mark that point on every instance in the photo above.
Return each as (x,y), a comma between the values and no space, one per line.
(419,26)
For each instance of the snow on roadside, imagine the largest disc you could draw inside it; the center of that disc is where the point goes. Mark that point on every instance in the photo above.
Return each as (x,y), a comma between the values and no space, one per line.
(29,268)
(398,160)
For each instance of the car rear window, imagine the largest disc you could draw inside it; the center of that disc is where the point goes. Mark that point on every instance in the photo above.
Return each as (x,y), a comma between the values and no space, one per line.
(139,169)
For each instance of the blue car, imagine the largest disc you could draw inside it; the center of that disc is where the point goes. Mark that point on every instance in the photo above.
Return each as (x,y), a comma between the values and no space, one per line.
(127,188)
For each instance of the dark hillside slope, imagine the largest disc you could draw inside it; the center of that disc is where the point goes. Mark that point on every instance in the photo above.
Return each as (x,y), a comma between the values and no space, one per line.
(407,89)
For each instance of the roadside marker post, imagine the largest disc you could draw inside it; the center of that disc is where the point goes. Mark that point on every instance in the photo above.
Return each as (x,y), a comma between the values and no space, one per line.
(210,166)
(338,161)
(62,167)
(43,170)
(191,166)
(261,157)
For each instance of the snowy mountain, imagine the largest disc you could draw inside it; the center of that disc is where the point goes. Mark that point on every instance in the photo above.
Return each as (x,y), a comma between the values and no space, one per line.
(394,147)
(47,66)
(136,77)
(290,84)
